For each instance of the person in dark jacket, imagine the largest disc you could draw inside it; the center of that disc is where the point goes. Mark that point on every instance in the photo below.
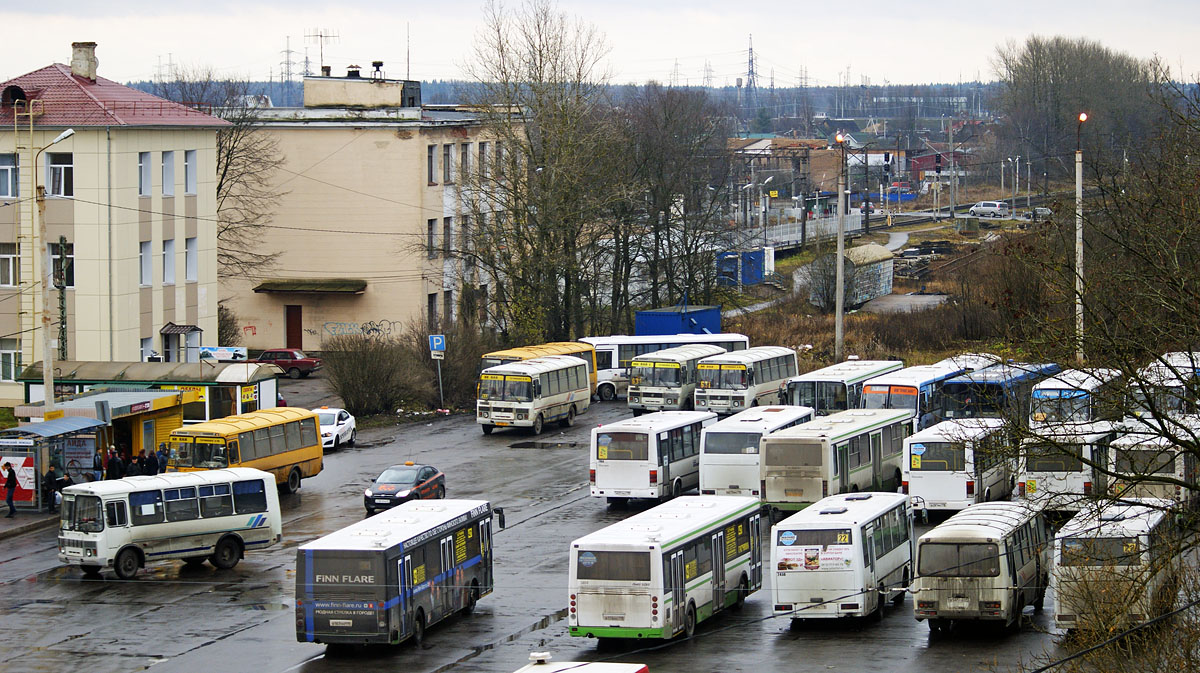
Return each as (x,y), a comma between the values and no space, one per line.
(149,463)
(98,465)
(163,458)
(116,469)
(49,488)
(132,469)
(10,489)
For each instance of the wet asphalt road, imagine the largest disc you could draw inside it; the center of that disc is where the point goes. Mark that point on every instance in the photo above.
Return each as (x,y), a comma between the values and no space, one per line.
(177,619)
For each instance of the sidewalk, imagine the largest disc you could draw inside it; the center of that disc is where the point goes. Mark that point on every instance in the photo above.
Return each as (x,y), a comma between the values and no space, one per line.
(25,521)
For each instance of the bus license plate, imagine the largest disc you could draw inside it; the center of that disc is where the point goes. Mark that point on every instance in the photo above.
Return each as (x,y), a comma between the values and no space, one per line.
(341,622)
(621,492)
(614,618)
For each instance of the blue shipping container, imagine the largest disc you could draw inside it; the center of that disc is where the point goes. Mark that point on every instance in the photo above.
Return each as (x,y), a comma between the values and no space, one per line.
(752,267)
(678,320)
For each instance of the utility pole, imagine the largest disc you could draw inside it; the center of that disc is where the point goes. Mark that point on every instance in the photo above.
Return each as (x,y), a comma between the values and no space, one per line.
(953,173)
(839,299)
(60,282)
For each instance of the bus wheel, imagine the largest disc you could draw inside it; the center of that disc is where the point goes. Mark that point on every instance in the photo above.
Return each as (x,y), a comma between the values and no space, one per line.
(127,563)
(677,488)
(742,591)
(472,598)
(689,622)
(538,422)
(487,429)
(608,393)
(293,482)
(570,419)
(419,628)
(227,554)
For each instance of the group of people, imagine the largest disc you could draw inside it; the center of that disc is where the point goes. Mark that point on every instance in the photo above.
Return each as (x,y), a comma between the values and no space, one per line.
(115,467)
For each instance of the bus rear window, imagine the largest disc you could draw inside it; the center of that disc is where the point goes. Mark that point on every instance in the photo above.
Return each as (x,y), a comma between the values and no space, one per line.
(621,566)
(975,559)
(1139,462)
(937,457)
(1054,458)
(731,442)
(793,454)
(622,446)
(1101,551)
(338,573)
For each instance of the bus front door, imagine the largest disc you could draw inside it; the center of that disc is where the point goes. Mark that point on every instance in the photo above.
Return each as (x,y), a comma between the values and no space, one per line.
(404,578)
(676,585)
(843,469)
(755,552)
(485,551)
(877,461)
(718,569)
(449,587)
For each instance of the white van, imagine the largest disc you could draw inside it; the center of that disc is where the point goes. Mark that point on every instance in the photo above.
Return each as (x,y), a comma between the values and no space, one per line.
(990,209)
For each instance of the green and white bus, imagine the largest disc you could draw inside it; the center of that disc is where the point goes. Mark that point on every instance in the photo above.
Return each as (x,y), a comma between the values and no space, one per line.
(835,388)
(659,573)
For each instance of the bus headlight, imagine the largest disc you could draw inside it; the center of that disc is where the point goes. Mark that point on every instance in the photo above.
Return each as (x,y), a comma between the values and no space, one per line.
(522,415)
(634,397)
(672,400)
(701,402)
(737,403)
(483,413)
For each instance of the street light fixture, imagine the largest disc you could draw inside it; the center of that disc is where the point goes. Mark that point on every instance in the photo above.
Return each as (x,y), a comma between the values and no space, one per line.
(47,275)
(1079,239)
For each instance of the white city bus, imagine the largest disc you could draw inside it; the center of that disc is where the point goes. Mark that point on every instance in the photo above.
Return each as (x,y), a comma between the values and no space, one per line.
(1152,464)
(1063,465)
(1167,386)
(531,393)
(1077,396)
(957,463)
(843,557)
(124,524)
(856,450)
(729,448)
(654,456)
(1116,564)
(837,387)
(986,562)
(732,382)
(918,389)
(665,380)
(660,572)
(614,353)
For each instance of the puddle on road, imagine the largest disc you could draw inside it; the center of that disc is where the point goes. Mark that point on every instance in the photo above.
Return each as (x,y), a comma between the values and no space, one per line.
(540,624)
(546,445)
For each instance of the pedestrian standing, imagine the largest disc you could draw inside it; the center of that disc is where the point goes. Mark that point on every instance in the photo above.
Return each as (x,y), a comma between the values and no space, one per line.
(98,464)
(132,469)
(49,488)
(10,489)
(163,458)
(116,469)
(149,463)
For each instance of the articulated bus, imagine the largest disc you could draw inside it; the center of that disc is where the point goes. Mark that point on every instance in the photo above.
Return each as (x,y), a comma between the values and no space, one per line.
(655,456)
(665,380)
(999,391)
(614,353)
(986,563)
(1065,464)
(214,515)
(1167,386)
(283,441)
(958,463)
(856,450)
(387,578)
(1145,463)
(918,389)
(729,448)
(732,382)
(660,572)
(531,393)
(845,556)
(1116,565)
(836,387)
(578,349)
(1077,396)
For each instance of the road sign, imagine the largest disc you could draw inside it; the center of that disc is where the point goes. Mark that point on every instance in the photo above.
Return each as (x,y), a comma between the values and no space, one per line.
(437,342)
(437,355)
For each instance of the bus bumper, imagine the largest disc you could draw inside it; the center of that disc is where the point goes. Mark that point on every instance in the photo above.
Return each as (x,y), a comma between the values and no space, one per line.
(616,632)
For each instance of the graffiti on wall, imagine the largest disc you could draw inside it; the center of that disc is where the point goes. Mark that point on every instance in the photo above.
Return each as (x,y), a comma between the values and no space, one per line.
(371,328)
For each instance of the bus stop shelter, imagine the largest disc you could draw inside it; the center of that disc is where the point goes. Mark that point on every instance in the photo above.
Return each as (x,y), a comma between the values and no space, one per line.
(68,443)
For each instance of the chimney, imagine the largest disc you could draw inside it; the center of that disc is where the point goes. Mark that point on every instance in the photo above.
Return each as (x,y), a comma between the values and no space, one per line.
(83,60)
(352,72)
(326,70)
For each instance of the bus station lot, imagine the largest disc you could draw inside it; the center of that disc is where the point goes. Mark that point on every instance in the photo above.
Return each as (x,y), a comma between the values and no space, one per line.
(174,618)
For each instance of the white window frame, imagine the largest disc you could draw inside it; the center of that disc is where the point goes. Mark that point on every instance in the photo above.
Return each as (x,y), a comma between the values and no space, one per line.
(10,265)
(9,182)
(147,347)
(168,261)
(191,260)
(60,176)
(144,179)
(189,172)
(10,359)
(145,264)
(168,173)
(448,164)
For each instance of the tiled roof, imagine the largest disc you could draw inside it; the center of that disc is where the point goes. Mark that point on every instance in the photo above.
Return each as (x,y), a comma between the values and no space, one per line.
(69,100)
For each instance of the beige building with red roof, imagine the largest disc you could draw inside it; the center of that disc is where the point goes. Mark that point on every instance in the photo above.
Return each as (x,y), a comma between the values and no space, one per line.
(131,192)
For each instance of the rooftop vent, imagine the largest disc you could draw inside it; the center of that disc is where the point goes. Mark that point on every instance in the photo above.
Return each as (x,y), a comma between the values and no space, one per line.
(378,72)
(326,70)
(859,496)
(352,72)
(834,510)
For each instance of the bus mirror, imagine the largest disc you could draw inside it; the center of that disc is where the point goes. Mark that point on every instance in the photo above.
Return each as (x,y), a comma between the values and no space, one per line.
(499,512)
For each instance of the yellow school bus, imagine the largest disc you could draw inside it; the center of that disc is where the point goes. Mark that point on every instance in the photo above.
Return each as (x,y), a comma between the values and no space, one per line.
(284,441)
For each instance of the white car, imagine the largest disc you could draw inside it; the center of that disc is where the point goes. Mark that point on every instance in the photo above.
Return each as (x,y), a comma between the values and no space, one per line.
(337,427)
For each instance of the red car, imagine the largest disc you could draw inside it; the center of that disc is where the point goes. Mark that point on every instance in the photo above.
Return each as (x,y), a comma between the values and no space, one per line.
(292,361)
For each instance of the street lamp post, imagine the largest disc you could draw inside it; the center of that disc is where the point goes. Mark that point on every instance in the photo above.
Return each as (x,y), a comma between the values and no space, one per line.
(1079,239)
(1016,184)
(762,207)
(839,287)
(41,248)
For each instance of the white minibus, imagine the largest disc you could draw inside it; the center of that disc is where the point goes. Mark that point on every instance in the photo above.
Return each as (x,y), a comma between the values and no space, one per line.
(654,456)
(729,448)
(957,463)
(660,572)
(732,382)
(1077,396)
(665,380)
(837,387)
(614,353)
(1063,465)
(531,393)
(1116,564)
(845,556)
(918,389)
(1166,386)
(856,450)
(124,524)
(1149,464)
(986,562)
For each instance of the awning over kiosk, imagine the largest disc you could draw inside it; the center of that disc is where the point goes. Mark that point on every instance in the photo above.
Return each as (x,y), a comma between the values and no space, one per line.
(58,426)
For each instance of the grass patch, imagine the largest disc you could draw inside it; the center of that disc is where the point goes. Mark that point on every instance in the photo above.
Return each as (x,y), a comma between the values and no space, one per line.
(7,419)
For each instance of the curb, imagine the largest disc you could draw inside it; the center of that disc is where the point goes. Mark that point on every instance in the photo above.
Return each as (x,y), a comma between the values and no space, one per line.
(28,527)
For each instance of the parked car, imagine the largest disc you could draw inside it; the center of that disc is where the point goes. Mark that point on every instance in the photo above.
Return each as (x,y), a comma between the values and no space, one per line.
(1041,214)
(337,428)
(401,483)
(990,209)
(292,361)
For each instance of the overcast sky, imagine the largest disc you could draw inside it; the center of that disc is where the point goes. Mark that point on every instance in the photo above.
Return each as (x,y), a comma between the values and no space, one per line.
(896,42)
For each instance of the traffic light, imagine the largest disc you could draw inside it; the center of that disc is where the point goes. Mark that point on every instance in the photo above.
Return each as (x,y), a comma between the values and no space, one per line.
(887,163)
(937,160)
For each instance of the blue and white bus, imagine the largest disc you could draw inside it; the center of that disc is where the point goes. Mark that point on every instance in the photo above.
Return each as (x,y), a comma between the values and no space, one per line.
(1077,396)
(999,391)
(918,389)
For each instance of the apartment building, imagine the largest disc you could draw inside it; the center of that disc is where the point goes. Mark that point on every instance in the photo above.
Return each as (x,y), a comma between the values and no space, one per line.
(114,190)
(368,216)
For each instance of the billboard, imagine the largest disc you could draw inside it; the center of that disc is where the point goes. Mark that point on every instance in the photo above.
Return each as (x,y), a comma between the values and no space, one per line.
(224,353)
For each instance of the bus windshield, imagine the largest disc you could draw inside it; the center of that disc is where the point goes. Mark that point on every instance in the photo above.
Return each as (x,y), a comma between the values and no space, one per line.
(1054,457)
(209,453)
(1143,461)
(505,388)
(824,396)
(181,450)
(621,566)
(622,446)
(1060,409)
(974,559)
(83,514)
(1160,400)
(664,377)
(728,377)
(938,457)
(970,400)
(732,442)
(889,397)
(1101,551)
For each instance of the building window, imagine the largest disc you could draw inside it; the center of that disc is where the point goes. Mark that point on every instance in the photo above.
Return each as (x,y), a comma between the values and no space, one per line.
(464,160)
(8,175)
(145,264)
(147,348)
(168,263)
(191,263)
(143,174)
(483,159)
(63,259)
(168,173)
(448,164)
(189,172)
(498,157)
(431,164)
(431,238)
(62,174)
(448,305)
(10,359)
(483,304)
(10,264)
(447,235)
(431,309)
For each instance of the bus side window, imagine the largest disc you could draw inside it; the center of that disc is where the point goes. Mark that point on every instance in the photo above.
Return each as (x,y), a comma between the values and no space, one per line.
(246,439)
(291,434)
(262,442)
(181,504)
(249,496)
(234,455)
(308,432)
(146,507)
(689,441)
(115,514)
(278,445)
(215,500)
